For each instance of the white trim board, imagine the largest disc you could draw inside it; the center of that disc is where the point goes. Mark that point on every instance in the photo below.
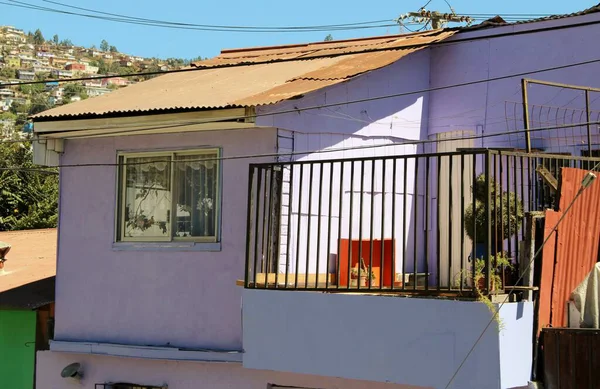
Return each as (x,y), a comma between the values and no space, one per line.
(146,352)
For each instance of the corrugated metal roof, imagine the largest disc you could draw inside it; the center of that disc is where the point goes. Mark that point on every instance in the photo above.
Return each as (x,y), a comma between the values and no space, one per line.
(251,77)
(497,21)
(31,258)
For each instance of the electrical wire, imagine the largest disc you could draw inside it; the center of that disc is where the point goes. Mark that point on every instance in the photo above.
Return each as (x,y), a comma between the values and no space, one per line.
(433,44)
(217,26)
(339,149)
(582,188)
(172,25)
(402,94)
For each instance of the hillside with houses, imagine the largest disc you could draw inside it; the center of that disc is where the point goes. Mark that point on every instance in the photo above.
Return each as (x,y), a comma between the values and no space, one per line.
(30,56)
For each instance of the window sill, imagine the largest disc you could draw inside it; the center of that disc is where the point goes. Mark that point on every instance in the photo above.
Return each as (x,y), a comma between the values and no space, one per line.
(166,246)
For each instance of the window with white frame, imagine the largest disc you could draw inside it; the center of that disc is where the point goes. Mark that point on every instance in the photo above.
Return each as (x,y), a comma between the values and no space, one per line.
(166,196)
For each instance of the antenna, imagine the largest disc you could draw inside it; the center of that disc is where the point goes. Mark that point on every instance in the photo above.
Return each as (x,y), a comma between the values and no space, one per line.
(434,18)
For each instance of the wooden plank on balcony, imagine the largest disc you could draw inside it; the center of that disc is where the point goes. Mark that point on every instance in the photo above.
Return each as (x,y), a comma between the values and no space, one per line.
(547,176)
(312,279)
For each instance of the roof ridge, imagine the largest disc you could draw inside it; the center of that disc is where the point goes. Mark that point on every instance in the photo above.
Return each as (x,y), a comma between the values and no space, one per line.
(318,43)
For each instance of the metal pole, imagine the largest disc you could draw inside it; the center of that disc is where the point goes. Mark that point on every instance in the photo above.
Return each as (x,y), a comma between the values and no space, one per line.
(526,115)
(588,119)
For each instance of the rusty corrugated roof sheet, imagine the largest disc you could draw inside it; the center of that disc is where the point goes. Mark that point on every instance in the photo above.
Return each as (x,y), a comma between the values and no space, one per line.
(31,258)
(252,77)
(573,251)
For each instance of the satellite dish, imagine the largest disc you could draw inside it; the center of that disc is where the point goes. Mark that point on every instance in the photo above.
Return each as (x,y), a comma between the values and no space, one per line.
(72,371)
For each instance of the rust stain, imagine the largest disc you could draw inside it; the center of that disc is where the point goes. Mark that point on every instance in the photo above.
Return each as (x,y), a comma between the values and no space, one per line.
(576,249)
(259,77)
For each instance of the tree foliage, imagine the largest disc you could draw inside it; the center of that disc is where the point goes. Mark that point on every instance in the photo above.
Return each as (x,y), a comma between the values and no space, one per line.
(28,199)
(328,38)
(74,89)
(38,37)
(104,46)
(8,73)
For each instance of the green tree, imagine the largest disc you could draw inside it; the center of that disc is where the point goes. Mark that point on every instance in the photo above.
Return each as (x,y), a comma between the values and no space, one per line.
(38,37)
(328,38)
(55,39)
(32,89)
(113,49)
(39,103)
(104,45)
(66,43)
(29,198)
(74,89)
(8,73)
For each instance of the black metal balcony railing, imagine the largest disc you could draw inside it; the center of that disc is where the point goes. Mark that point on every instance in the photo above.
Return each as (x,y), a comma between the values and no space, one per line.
(426,224)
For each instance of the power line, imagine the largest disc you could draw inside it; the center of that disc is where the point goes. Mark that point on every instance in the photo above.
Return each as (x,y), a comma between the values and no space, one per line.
(218,26)
(333,150)
(182,26)
(434,44)
(587,181)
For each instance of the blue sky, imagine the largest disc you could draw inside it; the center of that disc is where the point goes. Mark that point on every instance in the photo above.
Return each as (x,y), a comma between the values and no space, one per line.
(160,42)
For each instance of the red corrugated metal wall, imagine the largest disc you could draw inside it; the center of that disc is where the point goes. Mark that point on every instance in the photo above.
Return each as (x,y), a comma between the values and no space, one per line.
(570,255)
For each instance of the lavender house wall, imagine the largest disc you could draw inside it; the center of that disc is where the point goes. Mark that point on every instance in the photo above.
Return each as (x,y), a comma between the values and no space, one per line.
(149,297)
(495,106)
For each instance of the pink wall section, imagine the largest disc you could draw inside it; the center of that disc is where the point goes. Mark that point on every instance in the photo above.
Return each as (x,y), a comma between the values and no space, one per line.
(148,297)
(181,375)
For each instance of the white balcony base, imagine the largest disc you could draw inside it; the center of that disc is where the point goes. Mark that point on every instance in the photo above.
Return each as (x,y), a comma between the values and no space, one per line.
(407,341)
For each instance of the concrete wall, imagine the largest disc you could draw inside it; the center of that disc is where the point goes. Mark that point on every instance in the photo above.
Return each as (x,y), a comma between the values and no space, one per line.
(180,375)
(17,348)
(400,340)
(149,297)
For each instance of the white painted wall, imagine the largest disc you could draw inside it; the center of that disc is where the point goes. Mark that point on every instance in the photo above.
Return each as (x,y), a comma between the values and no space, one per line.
(399,340)
(370,126)
(179,374)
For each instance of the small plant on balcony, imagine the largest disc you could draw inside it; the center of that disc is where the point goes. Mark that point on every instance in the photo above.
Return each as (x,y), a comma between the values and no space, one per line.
(506,214)
(360,273)
(502,263)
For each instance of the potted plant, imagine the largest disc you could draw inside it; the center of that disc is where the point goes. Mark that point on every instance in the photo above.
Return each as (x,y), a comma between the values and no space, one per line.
(504,224)
(360,277)
(498,272)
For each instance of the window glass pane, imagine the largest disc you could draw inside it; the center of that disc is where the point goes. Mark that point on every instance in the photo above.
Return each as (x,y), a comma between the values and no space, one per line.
(147,197)
(196,195)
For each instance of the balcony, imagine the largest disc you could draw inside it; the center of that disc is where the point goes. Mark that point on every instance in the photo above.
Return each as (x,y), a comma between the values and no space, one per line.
(410,219)
(447,229)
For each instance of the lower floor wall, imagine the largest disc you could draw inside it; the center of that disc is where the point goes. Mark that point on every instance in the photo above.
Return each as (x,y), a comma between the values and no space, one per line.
(100,369)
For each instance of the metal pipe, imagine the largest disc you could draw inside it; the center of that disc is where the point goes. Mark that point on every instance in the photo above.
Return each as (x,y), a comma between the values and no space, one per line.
(308,230)
(289,225)
(300,186)
(329,235)
(589,126)
(560,85)
(340,214)
(249,225)
(524,82)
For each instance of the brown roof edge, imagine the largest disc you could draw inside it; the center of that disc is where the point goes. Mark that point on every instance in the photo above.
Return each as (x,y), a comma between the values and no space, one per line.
(39,117)
(291,46)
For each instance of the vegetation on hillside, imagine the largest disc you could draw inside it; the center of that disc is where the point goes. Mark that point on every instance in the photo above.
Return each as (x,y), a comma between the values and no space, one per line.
(29,199)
